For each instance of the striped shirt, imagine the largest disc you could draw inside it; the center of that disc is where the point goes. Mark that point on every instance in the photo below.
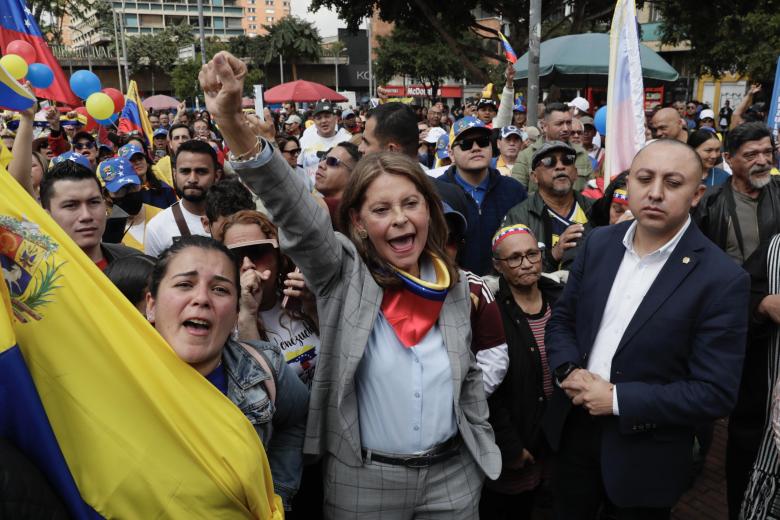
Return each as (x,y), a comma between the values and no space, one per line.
(538,322)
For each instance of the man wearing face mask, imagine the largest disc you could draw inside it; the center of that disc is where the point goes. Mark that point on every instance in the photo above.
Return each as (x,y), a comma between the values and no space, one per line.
(124,188)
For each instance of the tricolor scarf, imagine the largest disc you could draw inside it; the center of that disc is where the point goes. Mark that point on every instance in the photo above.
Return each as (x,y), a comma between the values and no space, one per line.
(413,309)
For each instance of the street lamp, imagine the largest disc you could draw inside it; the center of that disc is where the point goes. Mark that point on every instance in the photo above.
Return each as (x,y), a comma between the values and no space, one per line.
(81,33)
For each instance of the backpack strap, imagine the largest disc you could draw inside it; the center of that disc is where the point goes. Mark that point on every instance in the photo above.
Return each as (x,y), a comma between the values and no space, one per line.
(270,384)
(178,216)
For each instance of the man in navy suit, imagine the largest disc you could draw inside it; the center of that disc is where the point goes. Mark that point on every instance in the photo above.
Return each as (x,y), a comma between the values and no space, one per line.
(647,342)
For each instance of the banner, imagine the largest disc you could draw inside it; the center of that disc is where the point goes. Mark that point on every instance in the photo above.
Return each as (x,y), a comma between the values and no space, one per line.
(773,116)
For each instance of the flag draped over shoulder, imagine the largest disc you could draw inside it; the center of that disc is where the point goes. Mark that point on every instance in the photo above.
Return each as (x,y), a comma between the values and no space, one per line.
(18,23)
(133,117)
(121,427)
(625,92)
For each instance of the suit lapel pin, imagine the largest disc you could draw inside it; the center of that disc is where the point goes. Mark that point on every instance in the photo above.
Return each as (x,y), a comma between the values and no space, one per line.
(686,260)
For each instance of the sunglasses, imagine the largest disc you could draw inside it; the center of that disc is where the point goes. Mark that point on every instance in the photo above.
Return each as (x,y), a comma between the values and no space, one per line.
(576,132)
(257,252)
(551,160)
(468,144)
(333,162)
(293,152)
(82,145)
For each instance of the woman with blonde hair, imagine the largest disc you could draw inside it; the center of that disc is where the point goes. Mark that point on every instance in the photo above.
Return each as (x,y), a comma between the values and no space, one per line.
(397,409)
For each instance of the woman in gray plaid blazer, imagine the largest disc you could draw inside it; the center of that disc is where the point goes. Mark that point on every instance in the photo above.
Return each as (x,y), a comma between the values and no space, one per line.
(397,405)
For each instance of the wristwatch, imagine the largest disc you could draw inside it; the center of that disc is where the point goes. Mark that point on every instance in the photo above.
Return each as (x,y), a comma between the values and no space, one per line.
(562,372)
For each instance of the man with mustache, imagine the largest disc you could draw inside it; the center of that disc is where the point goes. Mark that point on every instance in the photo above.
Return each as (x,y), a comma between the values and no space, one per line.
(741,216)
(195,172)
(556,213)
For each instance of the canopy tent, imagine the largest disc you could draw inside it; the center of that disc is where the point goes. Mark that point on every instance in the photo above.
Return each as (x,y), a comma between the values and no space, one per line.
(581,60)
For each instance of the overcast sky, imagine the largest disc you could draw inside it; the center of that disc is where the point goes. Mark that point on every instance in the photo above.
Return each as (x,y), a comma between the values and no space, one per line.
(326,21)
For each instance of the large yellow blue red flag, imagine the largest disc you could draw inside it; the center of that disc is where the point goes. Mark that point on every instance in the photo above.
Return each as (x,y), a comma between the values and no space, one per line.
(13,95)
(89,391)
(133,117)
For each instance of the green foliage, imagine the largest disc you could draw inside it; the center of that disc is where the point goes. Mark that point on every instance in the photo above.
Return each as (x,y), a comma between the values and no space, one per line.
(401,54)
(725,36)
(253,77)
(158,51)
(184,79)
(251,49)
(295,39)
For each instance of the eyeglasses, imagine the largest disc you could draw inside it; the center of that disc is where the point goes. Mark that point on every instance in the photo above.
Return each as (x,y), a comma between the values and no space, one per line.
(468,144)
(258,252)
(294,152)
(551,160)
(516,260)
(333,162)
(83,144)
(576,132)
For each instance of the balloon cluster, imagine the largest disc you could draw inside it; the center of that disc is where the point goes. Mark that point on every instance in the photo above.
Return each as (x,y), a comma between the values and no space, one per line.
(19,61)
(103,105)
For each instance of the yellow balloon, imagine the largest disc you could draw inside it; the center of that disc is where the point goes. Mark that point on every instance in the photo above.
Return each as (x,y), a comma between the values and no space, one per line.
(15,65)
(100,105)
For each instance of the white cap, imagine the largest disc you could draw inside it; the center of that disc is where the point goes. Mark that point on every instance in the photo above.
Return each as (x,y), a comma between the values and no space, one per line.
(581,104)
(706,113)
(434,134)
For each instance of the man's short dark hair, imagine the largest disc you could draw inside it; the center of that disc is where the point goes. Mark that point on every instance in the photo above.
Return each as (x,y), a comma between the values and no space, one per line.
(64,171)
(197,146)
(744,133)
(180,125)
(396,122)
(549,108)
(227,197)
(83,134)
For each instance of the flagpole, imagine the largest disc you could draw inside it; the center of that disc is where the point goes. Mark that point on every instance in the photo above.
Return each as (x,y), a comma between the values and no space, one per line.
(534,35)
(124,47)
(118,59)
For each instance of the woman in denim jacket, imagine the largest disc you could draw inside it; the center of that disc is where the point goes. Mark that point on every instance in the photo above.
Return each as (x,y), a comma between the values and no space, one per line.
(193,303)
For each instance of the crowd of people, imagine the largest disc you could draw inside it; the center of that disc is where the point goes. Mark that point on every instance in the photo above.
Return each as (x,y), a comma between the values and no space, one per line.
(447,313)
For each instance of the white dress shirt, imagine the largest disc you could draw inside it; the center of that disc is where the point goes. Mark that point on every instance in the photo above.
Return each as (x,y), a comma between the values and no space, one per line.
(633,279)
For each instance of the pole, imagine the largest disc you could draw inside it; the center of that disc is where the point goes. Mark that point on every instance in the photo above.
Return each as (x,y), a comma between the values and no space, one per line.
(281,70)
(116,49)
(337,70)
(124,46)
(535,33)
(370,66)
(202,35)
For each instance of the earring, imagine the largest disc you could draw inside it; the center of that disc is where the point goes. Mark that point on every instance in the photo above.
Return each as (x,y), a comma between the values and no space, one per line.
(362,234)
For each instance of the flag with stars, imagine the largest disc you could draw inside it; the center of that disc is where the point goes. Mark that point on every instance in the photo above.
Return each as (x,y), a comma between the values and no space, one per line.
(18,23)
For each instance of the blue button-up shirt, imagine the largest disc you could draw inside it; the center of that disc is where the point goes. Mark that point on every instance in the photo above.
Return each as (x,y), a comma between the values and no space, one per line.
(477,192)
(405,398)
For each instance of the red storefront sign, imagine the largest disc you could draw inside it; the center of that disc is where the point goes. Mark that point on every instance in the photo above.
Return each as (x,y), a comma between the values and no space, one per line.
(445,91)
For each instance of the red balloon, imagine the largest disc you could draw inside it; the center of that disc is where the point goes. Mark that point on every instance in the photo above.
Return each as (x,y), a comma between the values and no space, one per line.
(23,49)
(117,97)
(91,123)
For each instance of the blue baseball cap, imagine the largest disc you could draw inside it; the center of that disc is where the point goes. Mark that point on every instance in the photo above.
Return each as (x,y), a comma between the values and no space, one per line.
(117,172)
(442,147)
(468,123)
(72,156)
(130,150)
(518,107)
(160,132)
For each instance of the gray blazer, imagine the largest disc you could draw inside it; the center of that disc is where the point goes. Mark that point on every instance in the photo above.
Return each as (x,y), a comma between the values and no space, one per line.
(348,301)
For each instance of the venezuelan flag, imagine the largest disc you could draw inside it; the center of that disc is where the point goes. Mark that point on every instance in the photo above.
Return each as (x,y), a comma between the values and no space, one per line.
(509,52)
(13,96)
(133,117)
(121,427)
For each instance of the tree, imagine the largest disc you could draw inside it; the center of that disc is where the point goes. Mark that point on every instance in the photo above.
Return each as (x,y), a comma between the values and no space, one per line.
(294,39)
(250,49)
(741,37)
(336,50)
(184,79)
(401,54)
(446,20)
(157,52)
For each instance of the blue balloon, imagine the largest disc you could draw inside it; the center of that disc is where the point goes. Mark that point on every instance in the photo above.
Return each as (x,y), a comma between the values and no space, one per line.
(40,75)
(84,83)
(108,122)
(600,120)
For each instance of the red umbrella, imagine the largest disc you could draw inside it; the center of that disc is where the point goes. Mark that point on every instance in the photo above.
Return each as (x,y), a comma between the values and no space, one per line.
(247,102)
(160,102)
(301,91)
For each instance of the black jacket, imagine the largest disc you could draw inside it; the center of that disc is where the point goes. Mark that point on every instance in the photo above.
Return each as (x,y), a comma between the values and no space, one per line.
(518,404)
(116,251)
(24,491)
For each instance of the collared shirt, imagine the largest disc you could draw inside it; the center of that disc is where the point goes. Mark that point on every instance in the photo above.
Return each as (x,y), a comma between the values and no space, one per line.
(405,395)
(633,279)
(477,192)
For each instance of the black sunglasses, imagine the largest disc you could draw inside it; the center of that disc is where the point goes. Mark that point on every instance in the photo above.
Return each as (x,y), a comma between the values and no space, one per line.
(551,160)
(334,162)
(84,144)
(294,151)
(468,144)
(256,253)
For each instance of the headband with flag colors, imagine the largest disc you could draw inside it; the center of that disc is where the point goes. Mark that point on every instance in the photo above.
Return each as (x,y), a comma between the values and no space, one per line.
(509,52)
(18,23)
(620,197)
(133,117)
(501,234)
(119,425)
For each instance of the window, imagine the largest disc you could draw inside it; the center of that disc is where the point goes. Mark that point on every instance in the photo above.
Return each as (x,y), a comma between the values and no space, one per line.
(251,10)
(270,11)
(251,18)
(269,2)
(269,19)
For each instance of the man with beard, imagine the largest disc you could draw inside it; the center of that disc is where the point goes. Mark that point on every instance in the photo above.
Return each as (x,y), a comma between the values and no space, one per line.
(322,136)
(556,213)
(195,172)
(741,216)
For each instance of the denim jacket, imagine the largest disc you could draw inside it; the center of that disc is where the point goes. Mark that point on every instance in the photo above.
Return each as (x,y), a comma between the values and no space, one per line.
(281,425)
